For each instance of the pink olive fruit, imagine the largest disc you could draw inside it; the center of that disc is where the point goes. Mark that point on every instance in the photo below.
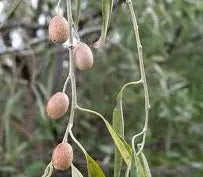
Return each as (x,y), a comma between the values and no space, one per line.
(83,56)
(57,106)
(62,156)
(58,29)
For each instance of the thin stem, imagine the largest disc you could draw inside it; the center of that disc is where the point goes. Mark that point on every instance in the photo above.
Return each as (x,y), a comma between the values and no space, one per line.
(127,171)
(76,33)
(48,171)
(66,83)
(136,136)
(119,100)
(91,111)
(72,73)
(128,84)
(77,142)
(58,7)
(142,70)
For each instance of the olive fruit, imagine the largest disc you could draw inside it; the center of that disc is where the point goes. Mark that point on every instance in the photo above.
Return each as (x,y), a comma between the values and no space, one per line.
(83,56)
(62,156)
(58,29)
(57,106)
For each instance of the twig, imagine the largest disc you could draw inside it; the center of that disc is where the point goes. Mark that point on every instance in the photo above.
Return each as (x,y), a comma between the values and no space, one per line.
(58,7)
(143,77)
(66,83)
(71,74)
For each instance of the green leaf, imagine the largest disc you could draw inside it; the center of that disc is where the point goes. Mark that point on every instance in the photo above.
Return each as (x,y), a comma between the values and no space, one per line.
(120,143)
(118,127)
(94,169)
(75,172)
(133,169)
(140,168)
(146,166)
(107,6)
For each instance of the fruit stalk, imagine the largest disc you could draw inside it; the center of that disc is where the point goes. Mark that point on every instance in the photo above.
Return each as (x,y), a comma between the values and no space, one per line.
(71,72)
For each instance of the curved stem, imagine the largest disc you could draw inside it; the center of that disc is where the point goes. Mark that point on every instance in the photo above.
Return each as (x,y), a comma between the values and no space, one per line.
(142,70)
(91,111)
(48,171)
(119,100)
(66,83)
(77,142)
(72,73)
(128,84)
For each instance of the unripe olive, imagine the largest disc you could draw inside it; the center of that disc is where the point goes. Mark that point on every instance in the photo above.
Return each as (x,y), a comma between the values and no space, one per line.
(58,29)
(83,56)
(62,156)
(57,106)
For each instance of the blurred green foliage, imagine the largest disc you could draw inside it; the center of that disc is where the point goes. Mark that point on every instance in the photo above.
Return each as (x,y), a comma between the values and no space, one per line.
(172,37)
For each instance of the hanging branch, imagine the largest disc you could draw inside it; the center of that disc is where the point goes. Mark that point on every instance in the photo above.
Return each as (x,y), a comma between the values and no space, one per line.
(71,73)
(143,78)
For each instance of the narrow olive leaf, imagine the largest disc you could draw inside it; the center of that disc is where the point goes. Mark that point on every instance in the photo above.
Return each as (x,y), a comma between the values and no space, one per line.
(107,6)
(120,144)
(94,169)
(118,127)
(75,172)
(146,166)
(118,141)
(140,168)
(133,168)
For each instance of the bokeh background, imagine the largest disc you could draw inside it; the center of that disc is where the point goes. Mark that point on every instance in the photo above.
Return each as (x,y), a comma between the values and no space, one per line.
(32,69)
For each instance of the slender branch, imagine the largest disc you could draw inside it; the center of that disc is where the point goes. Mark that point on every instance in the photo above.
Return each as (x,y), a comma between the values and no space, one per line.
(142,70)
(128,84)
(48,171)
(66,83)
(58,7)
(72,73)
(91,111)
(77,142)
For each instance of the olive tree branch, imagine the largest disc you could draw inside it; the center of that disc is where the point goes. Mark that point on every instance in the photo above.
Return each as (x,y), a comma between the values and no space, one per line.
(143,77)
(66,83)
(77,142)
(71,73)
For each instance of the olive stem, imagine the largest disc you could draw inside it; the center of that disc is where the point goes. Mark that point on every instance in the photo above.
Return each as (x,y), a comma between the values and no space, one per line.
(66,83)
(71,77)
(77,142)
(57,7)
(48,171)
(143,77)
(72,73)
